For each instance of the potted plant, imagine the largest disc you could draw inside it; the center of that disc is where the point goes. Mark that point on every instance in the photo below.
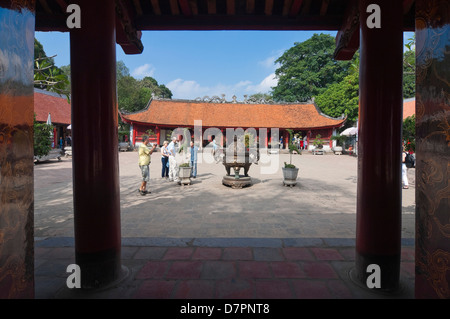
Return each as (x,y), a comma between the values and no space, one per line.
(340,139)
(318,145)
(290,171)
(184,174)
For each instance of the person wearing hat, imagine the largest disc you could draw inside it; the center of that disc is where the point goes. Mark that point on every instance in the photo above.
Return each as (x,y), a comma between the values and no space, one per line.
(144,163)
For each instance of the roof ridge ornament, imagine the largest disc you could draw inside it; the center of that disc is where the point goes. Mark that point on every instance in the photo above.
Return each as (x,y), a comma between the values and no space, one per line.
(217,99)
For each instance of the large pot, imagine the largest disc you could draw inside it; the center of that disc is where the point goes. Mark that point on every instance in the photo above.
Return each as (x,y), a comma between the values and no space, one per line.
(337,150)
(290,176)
(184,174)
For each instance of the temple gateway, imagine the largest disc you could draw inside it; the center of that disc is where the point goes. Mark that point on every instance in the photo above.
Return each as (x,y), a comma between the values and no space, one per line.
(162,116)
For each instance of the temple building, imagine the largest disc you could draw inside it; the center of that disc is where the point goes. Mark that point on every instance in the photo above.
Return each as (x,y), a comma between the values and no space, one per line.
(374,27)
(162,116)
(50,105)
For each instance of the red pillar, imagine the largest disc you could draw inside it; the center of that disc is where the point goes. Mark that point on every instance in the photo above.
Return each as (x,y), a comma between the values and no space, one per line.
(55,142)
(95,157)
(158,135)
(286,139)
(378,229)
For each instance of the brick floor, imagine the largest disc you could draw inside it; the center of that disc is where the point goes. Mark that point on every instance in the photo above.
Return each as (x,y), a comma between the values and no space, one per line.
(207,272)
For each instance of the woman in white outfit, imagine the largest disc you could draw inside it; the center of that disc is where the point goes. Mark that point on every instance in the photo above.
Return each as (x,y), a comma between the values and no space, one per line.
(404,170)
(173,166)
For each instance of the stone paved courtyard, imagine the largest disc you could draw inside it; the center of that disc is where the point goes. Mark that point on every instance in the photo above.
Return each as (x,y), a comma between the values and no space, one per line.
(321,205)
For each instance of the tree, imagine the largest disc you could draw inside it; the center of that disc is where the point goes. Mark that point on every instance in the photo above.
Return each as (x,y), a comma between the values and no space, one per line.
(121,70)
(261,96)
(341,98)
(160,91)
(133,95)
(409,69)
(307,69)
(409,133)
(47,76)
(42,138)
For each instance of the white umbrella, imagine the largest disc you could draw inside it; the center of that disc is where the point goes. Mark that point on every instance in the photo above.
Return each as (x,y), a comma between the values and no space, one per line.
(49,119)
(69,127)
(350,131)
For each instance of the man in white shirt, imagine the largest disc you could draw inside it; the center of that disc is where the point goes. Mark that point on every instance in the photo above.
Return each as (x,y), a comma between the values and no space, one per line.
(173,166)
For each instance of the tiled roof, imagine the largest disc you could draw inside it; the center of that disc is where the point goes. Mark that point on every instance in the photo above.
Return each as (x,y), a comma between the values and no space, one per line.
(183,113)
(409,107)
(47,102)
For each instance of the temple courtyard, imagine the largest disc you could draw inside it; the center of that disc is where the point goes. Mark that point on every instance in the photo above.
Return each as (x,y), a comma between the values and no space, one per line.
(209,241)
(321,205)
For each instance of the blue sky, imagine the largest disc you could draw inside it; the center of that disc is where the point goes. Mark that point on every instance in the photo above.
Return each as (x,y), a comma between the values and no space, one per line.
(201,63)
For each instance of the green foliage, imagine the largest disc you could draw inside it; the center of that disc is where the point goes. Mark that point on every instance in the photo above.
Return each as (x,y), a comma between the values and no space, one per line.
(42,138)
(184,165)
(341,98)
(286,165)
(249,140)
(318,142)
(291,146)
(122,135)
(150,132)
(134,95)
(121,70)
(308,68)
(259,96)
(409,69)
(47,76)
(340,139)
(409,133)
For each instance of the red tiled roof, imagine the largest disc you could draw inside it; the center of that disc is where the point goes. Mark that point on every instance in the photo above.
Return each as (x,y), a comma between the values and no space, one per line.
(47,102)
(409,107)
(183,113)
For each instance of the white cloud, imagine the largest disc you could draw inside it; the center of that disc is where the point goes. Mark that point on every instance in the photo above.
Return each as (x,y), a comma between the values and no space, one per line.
(269,63)
(143,71)
(264,86)
(185,89)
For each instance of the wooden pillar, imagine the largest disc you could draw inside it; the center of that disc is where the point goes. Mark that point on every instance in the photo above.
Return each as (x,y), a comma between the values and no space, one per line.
(158,135)
(286,139)
(330,134)
(55,141)
(378,229)
(266,141)
(432,256)
(95,136)
(17,20)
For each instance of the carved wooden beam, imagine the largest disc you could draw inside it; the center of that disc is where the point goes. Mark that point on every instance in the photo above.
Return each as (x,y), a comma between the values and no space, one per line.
(268,7)
(324,7)
(231,7)
(63,5)
(45,5)
(185,7)
(126,34)
(174,7)
(212,7)
(156,7)
(194,6)
(295,9)
(287,7)
(347,39)
(306,7)
(250,6)
(407,4)
(137,6)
